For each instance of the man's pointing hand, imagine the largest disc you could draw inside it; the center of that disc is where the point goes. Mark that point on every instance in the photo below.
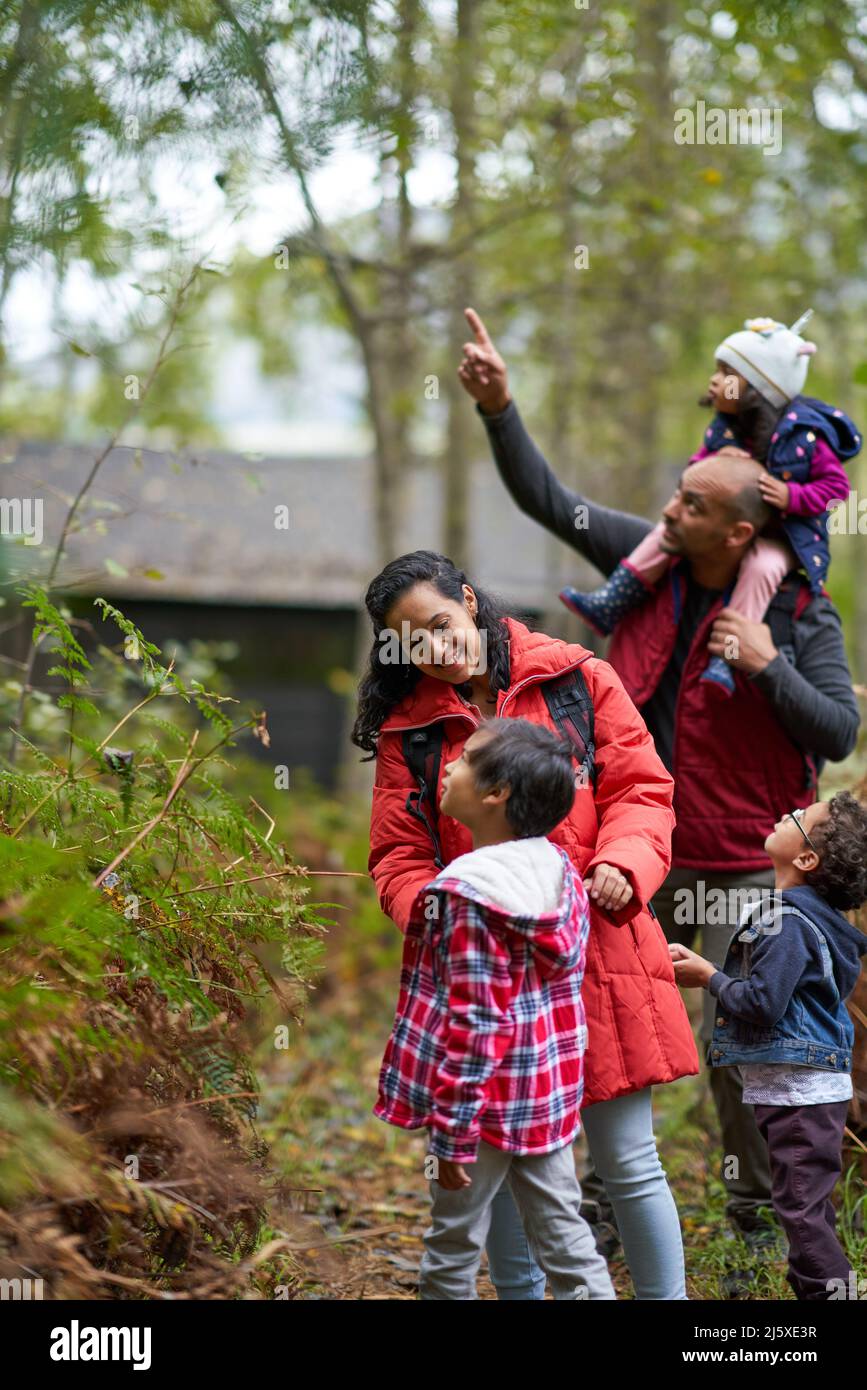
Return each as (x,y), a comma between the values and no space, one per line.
(482,370)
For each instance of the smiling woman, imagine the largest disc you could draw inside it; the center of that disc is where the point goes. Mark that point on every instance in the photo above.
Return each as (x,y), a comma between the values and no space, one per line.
(617,836)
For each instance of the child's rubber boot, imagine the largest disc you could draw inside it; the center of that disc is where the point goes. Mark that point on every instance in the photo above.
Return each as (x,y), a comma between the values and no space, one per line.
(718,678)
(604,608)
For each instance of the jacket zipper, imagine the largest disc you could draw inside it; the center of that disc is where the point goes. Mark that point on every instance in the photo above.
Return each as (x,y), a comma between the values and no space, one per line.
(458,714)
(540,680)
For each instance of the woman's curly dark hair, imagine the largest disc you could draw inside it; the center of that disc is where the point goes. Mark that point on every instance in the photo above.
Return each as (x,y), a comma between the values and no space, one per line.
(841,842)
(385,684)
(754,422)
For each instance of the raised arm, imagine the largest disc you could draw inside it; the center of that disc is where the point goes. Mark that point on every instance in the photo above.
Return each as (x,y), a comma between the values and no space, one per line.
(602,535)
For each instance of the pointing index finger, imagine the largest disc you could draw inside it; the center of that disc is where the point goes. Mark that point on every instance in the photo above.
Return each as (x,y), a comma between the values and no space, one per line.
(479,330)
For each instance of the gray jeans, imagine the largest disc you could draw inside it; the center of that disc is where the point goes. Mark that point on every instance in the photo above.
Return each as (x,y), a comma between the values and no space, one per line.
(548,1197)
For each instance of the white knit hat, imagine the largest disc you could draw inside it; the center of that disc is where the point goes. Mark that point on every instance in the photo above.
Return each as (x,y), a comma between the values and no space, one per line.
(771,357)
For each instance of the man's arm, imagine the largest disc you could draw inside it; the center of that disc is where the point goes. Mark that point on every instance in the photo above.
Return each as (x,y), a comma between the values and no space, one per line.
(478,1029)
(814,699)
(603,536)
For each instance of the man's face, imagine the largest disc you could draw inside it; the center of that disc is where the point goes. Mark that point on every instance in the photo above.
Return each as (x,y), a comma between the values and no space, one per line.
(697,519)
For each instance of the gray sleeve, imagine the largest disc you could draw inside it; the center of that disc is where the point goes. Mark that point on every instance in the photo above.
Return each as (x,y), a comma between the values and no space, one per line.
(814,698)
(602,535)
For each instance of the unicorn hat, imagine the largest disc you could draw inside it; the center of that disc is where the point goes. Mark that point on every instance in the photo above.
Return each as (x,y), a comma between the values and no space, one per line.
(772,357)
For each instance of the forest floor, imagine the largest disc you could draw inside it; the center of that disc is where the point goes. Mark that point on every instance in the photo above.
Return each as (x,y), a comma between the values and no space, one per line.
(360,1201)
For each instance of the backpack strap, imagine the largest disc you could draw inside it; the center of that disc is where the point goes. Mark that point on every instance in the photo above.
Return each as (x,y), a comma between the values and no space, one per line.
(571,708)
(422,751)
(785,608)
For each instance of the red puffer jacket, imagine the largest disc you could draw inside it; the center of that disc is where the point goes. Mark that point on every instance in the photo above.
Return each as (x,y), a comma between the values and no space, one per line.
(638,1030)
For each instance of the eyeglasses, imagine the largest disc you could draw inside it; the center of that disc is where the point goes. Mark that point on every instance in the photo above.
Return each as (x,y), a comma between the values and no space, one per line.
(796,817)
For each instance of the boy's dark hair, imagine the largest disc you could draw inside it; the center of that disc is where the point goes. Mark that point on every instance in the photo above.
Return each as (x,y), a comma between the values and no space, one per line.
(841,841)
(538,767)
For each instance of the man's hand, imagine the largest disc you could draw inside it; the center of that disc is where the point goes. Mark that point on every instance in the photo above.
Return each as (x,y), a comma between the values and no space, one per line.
(452,1176)
(774,491)
(690,970)
(748,646)
(608,888)
(482,370)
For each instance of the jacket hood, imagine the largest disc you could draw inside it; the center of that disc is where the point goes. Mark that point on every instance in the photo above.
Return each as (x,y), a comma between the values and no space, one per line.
(556,935)
(846,940)
(532,656)
(841,433)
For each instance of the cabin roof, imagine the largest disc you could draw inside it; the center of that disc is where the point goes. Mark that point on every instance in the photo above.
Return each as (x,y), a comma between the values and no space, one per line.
(205,521)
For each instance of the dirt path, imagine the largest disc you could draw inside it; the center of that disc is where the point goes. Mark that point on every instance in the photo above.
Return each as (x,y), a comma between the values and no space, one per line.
(361,1203)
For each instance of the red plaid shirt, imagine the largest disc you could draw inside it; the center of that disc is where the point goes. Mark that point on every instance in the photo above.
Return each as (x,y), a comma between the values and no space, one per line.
(489,1036)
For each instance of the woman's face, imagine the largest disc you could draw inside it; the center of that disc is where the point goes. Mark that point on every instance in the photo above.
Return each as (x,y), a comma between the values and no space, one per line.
(437,634)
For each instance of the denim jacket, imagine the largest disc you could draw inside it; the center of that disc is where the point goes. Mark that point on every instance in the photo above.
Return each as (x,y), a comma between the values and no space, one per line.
(812,944)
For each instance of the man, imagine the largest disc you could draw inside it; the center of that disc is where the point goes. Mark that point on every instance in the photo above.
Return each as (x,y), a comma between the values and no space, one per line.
(738,764)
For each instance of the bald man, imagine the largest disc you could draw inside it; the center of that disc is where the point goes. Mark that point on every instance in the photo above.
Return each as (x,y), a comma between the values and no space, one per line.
(738,764)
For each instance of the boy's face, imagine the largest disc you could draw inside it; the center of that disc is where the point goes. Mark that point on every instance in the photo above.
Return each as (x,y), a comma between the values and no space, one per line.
(786,843)
(461,797)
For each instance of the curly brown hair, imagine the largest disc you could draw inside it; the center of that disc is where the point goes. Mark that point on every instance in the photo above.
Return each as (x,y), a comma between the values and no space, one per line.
(841,842)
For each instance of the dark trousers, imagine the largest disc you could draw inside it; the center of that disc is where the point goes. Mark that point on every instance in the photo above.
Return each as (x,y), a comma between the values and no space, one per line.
(745,1171)
(804,1148)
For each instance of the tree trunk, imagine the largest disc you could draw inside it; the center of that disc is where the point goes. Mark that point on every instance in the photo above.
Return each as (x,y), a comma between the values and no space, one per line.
(461,432)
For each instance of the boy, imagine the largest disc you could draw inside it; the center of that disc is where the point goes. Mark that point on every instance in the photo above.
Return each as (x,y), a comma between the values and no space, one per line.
(488,1041)
(782,1017)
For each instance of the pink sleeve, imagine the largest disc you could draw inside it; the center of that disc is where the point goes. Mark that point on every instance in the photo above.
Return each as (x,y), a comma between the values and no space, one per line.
(828,482)
(702,454)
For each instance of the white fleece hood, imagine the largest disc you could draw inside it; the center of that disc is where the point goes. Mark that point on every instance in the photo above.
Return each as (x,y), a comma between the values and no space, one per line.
(522,877)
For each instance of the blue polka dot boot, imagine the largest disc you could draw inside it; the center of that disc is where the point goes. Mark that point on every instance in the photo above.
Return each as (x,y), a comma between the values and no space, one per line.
(718,678)
(604,608)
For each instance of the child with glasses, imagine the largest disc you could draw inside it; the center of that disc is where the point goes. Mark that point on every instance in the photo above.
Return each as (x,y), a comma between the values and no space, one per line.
(782,1017)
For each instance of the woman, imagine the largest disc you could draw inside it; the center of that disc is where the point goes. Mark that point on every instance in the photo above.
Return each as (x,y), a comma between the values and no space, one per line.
(462,660)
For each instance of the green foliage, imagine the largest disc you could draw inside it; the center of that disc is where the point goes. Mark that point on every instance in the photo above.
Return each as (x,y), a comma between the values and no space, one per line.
(141,910)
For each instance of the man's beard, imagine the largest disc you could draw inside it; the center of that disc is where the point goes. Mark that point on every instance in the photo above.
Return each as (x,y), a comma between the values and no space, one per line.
(706,399)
